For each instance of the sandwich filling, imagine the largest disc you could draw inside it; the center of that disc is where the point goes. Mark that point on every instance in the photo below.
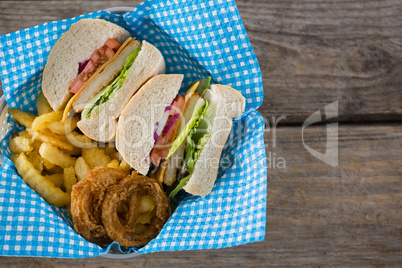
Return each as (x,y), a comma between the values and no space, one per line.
(200,105)
(165,130)
(87,68)
(107,92)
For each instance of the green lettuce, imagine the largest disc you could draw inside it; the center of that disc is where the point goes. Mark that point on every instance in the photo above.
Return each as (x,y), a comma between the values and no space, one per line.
(196,141)
(192,142)
(179,186)
(197,133)
(199,108)
(104,95)
(206,84)
(203,85)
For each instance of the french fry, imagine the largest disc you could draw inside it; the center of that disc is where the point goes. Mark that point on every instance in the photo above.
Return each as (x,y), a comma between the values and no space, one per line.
(143,218)
(24,118)
(62,128)
(43,121)
(25,134)
(117,156)
(110,149)
(57,128)
(20,145)
(113,164)
(139,229)
(42,105)
(75,152)
(55,156)
(69,179)
(56,179)
(160,174)
(71,123)
(36,160)
(147,204)
(36,144)
(95,157)
(146,217)
(79,140)
(48,165)
(53,195)
(55,169)
(49,137)
(81,168)
(125,166)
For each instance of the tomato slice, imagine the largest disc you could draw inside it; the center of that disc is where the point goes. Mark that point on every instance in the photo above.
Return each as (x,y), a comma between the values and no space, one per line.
(112,43)
(95,56)
(97,59)
(89,68)
(109,52)
(76,85)
(164,141)
(162,145)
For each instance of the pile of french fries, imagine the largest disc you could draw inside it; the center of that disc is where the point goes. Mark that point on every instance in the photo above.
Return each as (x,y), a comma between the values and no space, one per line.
(52,156)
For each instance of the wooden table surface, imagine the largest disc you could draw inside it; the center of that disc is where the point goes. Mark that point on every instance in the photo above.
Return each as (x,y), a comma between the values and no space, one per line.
(312,53)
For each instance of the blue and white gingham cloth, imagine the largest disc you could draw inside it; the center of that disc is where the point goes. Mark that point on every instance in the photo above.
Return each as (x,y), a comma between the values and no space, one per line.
(197,38)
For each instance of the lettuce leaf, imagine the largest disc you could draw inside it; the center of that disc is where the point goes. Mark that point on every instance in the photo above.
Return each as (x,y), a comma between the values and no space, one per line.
(196,141)
(203,85)
(206,84)
(179,186)
(198,110)
(104,95)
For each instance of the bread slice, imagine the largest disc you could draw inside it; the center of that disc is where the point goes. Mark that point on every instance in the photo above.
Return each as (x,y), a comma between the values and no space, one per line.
(101,126)
(231,104)
(136,127)
(75,46)
(104,77)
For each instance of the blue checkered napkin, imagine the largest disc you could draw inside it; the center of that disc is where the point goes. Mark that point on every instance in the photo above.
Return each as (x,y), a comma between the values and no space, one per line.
(28,226)
(234,213)
(196,39)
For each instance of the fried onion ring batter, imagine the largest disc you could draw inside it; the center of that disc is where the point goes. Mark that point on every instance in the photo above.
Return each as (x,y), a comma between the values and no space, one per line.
(87,197)
(129,190)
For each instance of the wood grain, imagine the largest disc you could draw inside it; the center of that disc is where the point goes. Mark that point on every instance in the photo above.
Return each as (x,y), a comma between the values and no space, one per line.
(316,214)
(311,53)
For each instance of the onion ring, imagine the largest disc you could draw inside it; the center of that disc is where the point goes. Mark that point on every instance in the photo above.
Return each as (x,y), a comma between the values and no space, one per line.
(129,190)
(86,203)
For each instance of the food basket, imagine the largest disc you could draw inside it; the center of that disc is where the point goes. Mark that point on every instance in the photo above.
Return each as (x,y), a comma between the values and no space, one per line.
(233,214)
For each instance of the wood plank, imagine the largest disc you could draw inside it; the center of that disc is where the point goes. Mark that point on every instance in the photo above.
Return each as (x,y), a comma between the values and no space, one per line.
(311,53)
(316,214)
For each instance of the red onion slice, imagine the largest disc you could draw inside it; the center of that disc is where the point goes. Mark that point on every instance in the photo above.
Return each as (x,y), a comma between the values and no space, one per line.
(81,66)
(161,124)
(156,136)
(170,124)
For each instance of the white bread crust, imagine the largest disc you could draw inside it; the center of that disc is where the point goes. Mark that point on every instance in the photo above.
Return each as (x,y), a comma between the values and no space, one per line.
(104,77)
(231,104)
(74,46)
(102,126)
(136,126)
